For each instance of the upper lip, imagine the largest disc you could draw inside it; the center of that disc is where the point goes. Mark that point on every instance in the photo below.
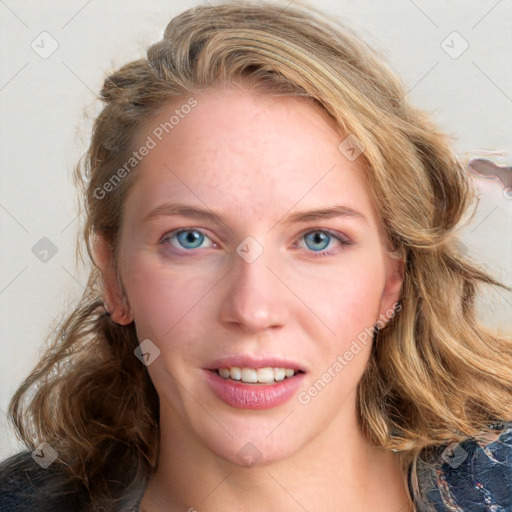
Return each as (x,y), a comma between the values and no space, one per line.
(247,361)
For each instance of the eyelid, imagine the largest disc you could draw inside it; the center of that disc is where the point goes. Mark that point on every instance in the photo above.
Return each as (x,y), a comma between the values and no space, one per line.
(336,234)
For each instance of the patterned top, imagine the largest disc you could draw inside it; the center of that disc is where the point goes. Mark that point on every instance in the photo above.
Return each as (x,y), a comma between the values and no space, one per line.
(473,476)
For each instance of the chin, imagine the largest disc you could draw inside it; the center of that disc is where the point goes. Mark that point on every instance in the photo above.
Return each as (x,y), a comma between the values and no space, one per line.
(249,454)
(252,447)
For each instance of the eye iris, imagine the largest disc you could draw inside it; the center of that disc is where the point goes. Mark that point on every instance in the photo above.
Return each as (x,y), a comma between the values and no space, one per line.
(318,237)
(190,237)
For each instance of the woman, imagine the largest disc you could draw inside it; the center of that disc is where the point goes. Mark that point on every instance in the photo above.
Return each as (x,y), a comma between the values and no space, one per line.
(278,317)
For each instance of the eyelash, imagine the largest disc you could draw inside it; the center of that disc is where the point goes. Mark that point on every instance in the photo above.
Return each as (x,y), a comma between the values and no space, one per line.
(341,239)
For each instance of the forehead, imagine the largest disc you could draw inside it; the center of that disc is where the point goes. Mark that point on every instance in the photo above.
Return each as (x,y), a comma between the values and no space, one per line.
(238,149)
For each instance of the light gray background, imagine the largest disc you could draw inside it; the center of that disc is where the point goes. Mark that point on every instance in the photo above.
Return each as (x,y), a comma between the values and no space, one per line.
(43,133)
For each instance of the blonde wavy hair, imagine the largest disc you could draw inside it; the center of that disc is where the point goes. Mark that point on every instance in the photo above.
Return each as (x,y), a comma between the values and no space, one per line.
(435,375)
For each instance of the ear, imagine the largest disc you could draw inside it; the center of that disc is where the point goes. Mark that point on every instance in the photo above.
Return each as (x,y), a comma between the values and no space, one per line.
(115,301)
(391,293)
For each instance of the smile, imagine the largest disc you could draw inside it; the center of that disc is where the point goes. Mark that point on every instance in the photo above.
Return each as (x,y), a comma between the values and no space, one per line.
(266,375)
(241,387)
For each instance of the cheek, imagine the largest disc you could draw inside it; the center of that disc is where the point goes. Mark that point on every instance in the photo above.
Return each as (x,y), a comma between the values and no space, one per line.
(163,299)
(348,301)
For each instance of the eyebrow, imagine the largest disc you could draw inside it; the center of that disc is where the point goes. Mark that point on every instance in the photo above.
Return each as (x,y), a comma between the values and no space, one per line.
(193,212)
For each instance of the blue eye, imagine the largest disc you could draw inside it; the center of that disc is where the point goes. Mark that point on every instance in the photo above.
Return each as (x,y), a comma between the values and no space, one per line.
(316,240)
(187,238)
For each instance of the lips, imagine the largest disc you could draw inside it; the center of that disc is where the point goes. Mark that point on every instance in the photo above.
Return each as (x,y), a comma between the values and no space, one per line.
(242,395)
(254,383)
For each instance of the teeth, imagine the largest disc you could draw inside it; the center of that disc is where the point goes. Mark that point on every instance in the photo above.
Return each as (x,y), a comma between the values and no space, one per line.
(224,373)
(236,373)
(280,373)
(249,375)
(265,375)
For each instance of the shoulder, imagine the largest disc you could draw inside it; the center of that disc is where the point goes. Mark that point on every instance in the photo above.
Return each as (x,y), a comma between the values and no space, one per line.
(473,475)
(26,486)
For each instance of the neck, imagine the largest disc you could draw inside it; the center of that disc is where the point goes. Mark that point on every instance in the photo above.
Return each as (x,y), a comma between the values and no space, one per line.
(336,471)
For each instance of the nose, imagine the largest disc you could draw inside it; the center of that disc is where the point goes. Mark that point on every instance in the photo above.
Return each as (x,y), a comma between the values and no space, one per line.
(255,299)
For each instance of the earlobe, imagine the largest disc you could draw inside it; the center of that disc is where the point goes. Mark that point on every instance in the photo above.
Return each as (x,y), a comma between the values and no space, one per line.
(391,292)
(113,295)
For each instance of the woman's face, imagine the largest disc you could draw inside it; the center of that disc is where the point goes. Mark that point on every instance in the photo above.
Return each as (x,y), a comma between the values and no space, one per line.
(246,281)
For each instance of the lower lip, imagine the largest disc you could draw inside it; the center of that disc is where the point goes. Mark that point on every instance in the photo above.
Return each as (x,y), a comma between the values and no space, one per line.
(253,396)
